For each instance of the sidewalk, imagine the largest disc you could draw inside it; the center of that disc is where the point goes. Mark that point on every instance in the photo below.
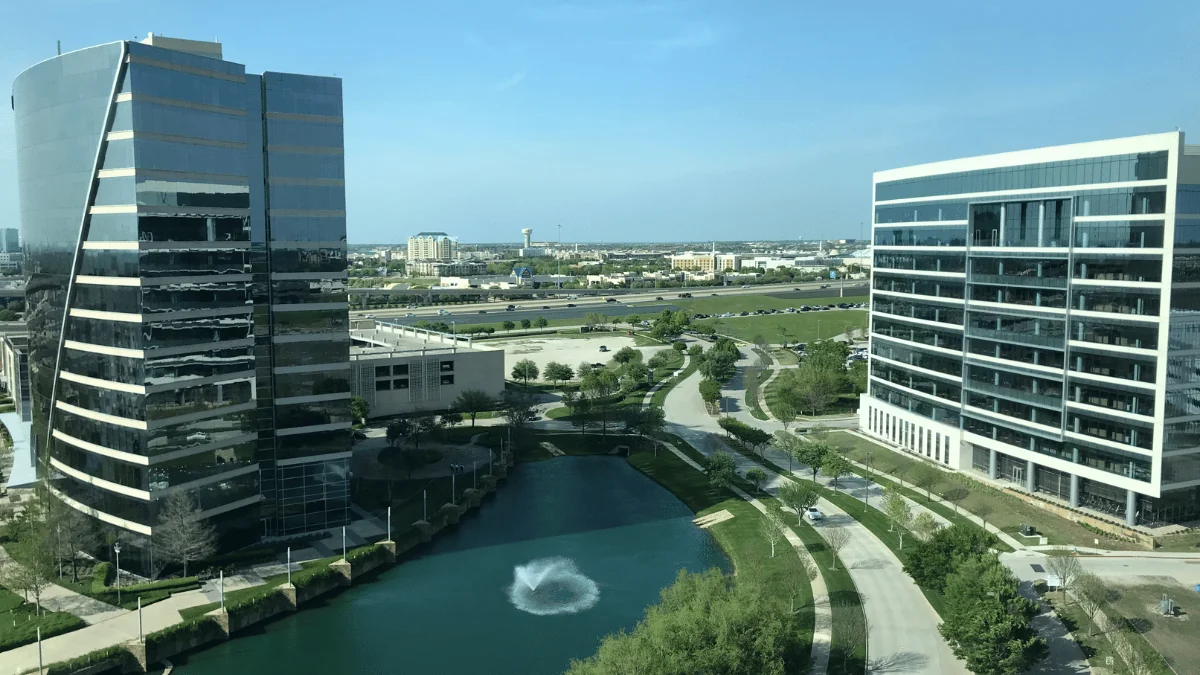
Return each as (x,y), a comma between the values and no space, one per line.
(58,599)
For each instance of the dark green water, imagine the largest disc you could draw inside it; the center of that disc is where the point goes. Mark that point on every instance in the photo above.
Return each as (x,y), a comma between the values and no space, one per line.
(449,611)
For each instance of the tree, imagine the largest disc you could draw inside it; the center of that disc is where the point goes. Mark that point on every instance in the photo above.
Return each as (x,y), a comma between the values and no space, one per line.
(583,369)
(813,386)
(8,315)
(931,562)
(508,325)
(798,496)
(855,628)
(525,370)
(359,409)
(645,420)
(694,351)
(659,360)
(925,525)
(594,319)
(812,454)
(757,477)
(396,431)
(720,468)
(633,319)
(472,402)
(633,375)
(983,510)
(955,494)
(74,532)
(580,407)
(680,346)
(558,372)
(710,392)
(987,622)
(526,323)
(772,528)
(627,355)
(599,384)
(1065,565)
(182,536)
(451,419)
(540,322)
(717,366)
(835,466)
(423,425)
(896,508)
(901,470)
(704,623)
(836,539)
(925,477)
(519,409)
(785,412)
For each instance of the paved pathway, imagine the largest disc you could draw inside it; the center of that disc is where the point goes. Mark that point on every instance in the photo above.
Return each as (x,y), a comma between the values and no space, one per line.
(661,383)
(59,599)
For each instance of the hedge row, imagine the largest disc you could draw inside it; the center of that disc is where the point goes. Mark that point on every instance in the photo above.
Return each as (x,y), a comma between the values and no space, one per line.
(102,576)
(116,654)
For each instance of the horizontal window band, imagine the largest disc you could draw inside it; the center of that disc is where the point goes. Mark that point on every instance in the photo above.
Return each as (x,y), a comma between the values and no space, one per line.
(1023,194)
(172,138)
(116,173)
(102,349)
(315,398)
(225,378)
(191,70)
(102,384)
(148,210)
(196,417)
(165,457)
(110,245)
(116,208)
(309,337)
(184,314)
(315,458)
(196,279)
(302,307)
(101,417)
(314,368)
(305,150)
(199,347)
(921,223)
(92,280)
(301,117)
(305,276)
(176,103)
(107,486)
(175,176)
(193,245)
(307,213)
(100,515)
(127,457)
(276,245)
(326,182)
(232,506)
(122,317)
(314,429)
(207,480)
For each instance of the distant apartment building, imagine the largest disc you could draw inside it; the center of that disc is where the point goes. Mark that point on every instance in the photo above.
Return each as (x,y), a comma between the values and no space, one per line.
(431,246)
(10,240)
(445,268)
(185,228)
(11,263)
(1035,319)
(706,262)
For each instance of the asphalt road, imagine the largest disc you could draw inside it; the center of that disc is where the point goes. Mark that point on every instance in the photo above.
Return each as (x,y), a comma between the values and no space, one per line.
(494,312)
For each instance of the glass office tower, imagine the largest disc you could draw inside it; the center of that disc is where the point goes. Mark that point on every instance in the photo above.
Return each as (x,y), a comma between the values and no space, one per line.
(1035,317)
(185,229)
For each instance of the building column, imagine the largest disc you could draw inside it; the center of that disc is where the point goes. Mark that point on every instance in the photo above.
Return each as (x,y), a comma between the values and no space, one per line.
(1074,491)
(992,461)
(1131,508)
(1030,476)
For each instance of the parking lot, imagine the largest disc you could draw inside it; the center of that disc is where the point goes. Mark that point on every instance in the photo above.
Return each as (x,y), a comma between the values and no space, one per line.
(568,350)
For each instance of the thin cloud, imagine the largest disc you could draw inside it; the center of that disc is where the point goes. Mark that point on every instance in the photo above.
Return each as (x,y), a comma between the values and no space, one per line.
(593,13)
(693,36)
(509,82)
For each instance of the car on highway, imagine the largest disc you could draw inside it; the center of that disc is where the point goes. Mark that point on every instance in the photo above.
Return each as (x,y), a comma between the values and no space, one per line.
(658,298)
(483,311)
(610,299)
(814,514)
(685,295)
(570,304)
(545,306)
(824,285)
(830,306)
(510,308)
(409,315)
(443,312)
(370,316)
(713,294)
(790,310)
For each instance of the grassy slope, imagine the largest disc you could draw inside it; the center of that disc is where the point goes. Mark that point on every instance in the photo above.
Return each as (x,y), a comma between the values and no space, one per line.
(19,623)
(798,327)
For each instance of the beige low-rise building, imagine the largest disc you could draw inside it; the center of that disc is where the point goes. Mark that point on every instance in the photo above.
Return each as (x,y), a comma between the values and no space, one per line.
(401,370)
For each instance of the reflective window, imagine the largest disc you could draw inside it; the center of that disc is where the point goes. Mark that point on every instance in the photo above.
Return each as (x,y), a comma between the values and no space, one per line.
(1124,431)
(199,466)
(1121,234)
(1109,332)
(314,321)
(941,288)
(1017,353)
(308,228)
(920,406)
(107,298)
(1025,409)
(931,262)
(293,260)
(918,310)
(309,353)
(101,263)
(946,339)
(311,414)
(312,384)
(1122,301)
(308,291)
(1122,366)
(196,399)
(923,212)
(1126,267)
(1187,199)
(936,362)
(921,236)
(192,228)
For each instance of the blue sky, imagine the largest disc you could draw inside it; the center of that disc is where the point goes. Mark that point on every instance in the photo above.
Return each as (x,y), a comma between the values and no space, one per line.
(666,120)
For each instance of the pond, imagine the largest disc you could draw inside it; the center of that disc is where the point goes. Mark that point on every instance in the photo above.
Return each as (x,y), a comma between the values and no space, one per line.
(567,551)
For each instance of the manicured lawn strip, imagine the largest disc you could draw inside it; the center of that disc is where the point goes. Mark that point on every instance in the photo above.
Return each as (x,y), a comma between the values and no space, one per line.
(785,357)
(19,623)
(844,404)
(243,595)
(739,536)
(798,327)
(751,302)
(1008,512)
(751,380)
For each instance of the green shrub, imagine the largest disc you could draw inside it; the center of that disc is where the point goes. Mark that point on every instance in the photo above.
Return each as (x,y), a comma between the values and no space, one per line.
(102,576)
(178,584)
(362,553)
(191,627)
(118,655)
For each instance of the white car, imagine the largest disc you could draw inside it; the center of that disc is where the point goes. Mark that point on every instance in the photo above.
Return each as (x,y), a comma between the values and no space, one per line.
(814,514)
(370,316)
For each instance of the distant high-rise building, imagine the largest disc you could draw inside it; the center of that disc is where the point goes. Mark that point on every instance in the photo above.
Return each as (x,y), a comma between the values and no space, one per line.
(431,246)
(1034,320)
(10,239)
(186,273)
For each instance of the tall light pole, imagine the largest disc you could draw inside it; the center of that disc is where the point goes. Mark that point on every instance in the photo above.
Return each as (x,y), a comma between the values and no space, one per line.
(117,548)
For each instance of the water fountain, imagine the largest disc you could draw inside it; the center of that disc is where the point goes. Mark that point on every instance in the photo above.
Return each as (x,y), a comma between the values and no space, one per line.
(552,586)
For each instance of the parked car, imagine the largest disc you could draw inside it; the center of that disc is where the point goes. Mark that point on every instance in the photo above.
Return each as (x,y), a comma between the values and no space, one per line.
(603,348)
(814,514)
(744,313)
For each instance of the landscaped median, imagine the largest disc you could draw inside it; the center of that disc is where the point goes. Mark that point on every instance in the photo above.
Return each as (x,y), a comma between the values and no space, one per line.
(19,621)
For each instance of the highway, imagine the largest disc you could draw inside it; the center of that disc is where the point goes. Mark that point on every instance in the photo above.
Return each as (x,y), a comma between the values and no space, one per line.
(643,304)
(555,309)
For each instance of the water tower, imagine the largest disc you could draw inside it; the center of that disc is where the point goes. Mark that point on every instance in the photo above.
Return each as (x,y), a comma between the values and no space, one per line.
(528,232)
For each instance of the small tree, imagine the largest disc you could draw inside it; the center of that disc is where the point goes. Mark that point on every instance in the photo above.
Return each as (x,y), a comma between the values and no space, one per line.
(798,496)
(956,494)
(757,477)
(925,477)
(558,372)
(710,392)
(594,319)
(525,370)
(626,355)
(580,407)
(472,402)
(896,508)
(785,413)
(925,525)
(182,536)
(519,409)
(680,345)
(772,529)
(645,420)
(693,351)
(359,409)
(836,539)
(855,628)
(720,468)
(1065,565)
(983,510)
(451,419)
(526,323)
(813,455)
(423,426)
(900,471)
(835,466)
(396,431)
(75,532)
(540,322)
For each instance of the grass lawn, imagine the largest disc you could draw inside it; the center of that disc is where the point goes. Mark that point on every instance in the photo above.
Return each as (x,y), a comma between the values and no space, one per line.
(19,624)
(752,381)
(1188,541)
(785,357)
(798,327)
(1177,639)
(844,404)
(660,396)
(740,538)
(751,302)
(1008,512)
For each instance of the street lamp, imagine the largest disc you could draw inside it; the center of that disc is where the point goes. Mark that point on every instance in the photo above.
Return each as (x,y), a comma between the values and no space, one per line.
(117,548)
